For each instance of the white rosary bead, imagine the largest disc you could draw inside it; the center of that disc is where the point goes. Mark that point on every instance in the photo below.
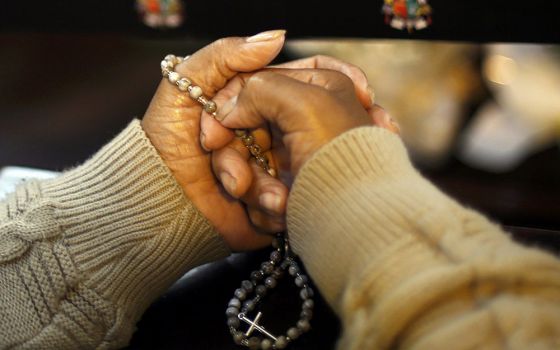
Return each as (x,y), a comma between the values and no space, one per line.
(170,57)
(165,64)
(183,84)
(195,91)
(174,77)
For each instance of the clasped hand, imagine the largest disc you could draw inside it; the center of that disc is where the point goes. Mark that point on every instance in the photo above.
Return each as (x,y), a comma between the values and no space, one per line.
(292,110)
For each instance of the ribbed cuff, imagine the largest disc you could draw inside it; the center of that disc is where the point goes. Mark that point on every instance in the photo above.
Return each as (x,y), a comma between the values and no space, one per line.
(358,195)
(127,225)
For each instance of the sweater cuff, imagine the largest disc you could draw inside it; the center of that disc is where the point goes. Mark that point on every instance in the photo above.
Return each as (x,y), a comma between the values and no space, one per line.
(358,195)
(127,224)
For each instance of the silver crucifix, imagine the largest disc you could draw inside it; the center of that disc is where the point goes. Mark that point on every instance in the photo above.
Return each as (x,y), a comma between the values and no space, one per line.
(254,325)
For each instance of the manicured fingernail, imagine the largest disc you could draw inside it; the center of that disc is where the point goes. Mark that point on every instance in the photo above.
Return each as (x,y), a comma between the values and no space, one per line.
(203,142)
(226,108)
(266,36)
(229,182)
(270,201)
(371,94)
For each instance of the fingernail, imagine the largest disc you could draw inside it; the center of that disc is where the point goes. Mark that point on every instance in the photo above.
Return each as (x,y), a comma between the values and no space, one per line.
(266,36)
(371,94)
(391,124)
(226,108)
(271,172)
(270,201)
(203,142)
(229,182)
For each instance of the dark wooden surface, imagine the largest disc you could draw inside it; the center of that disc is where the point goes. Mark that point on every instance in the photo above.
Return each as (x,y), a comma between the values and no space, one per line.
(62,96)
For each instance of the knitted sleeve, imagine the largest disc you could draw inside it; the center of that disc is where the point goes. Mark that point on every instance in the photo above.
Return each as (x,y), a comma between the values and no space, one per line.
(83,255)
(405,266)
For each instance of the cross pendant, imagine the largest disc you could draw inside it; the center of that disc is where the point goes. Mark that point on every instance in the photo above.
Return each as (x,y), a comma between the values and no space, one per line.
(254,325)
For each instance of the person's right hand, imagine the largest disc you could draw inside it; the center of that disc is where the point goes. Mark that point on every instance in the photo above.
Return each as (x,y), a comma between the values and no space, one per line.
(309,107)
(306,109)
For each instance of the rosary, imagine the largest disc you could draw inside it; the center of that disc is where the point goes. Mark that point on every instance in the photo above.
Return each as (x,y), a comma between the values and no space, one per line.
(252,291)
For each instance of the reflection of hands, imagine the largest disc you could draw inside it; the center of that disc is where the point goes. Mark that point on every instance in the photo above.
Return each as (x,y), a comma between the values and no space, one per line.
(306,109)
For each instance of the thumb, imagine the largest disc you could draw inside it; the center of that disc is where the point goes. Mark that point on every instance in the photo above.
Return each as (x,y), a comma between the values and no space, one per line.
(212,66)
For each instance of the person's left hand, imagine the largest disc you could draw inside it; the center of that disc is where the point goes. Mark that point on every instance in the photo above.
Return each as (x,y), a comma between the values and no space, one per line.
(172,123)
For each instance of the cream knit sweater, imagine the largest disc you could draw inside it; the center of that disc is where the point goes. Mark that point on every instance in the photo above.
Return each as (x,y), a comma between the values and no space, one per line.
(404,266)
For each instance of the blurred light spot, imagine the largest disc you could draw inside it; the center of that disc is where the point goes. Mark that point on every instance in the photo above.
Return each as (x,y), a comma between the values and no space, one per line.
(500,69)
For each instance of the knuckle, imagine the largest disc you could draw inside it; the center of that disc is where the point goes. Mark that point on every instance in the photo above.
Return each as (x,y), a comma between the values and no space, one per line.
(258,79)
(320,58)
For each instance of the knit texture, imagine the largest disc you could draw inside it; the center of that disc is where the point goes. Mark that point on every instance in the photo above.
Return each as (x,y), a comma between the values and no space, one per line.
(407,267)
(83,255)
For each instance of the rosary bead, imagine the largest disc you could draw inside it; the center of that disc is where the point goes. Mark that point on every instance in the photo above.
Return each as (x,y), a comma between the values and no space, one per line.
(174,77)
(303,325)
(234,303)
(240,132)
(240,294)
(308,304)
(281,342)
(248,139)
(165,72)
(306,314)
(202,100)
(256,275)
(253,343)
(247,286)
(301,280)
(293,333)
(270,282)
(262,162)
(266,344)
(170,57)
(233,322)
(183,84)
(306,293)
(293,270)
(278,274)
(195,92)
(276,242)
(255,150)
(267,267)
(275,256)
(249,305)
(232,311)
(238,337)
(165,65)
(210,107)
(260,290)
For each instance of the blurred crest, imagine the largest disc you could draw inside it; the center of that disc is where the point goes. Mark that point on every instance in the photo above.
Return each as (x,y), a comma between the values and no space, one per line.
(161,14)
(407,14)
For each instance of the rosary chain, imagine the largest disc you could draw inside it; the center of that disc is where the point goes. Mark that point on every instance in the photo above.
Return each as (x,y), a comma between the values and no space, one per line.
(281,258)
(195,92)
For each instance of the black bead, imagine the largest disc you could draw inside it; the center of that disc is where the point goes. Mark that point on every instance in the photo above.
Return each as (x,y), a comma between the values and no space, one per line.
(260,290)
(247,286)
(275,256)
(267,267)
(233,322)
(257,275)
(249,305)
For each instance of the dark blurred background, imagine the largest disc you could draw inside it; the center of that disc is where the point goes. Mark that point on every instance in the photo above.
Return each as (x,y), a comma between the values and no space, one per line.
(74,73)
